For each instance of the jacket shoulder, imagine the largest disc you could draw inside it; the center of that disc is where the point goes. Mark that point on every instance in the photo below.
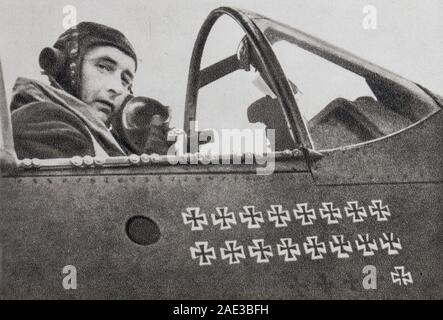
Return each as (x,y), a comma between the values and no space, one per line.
(47,130)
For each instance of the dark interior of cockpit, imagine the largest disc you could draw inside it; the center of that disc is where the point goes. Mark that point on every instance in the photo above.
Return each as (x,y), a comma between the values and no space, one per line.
(344,122)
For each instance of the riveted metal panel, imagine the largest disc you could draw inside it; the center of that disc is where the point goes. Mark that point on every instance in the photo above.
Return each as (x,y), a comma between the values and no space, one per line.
(50,222)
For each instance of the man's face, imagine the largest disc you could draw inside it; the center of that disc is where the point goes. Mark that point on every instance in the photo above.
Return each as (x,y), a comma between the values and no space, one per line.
(107,75)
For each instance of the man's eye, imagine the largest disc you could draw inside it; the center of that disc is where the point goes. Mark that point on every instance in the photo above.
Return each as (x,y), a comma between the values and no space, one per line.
(126,81)
(104,66)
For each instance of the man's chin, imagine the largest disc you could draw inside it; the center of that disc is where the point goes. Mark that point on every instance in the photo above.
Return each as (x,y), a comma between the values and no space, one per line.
(101,112)
(106,119)
(102,117)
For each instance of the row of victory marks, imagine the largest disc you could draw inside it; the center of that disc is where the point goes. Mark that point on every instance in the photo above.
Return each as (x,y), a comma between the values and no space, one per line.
(280,217)
(289,250)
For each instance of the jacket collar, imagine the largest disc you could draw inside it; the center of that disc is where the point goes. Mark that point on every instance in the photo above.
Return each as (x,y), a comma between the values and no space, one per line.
(27,91)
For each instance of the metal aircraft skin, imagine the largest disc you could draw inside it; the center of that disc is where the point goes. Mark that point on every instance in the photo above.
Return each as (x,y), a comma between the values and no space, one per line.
(363,221)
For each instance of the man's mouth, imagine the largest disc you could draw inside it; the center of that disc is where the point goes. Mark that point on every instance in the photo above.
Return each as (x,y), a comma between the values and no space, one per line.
(105,106)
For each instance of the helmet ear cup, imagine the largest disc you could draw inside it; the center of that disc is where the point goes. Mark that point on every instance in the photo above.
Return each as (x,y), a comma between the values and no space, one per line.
(52,61)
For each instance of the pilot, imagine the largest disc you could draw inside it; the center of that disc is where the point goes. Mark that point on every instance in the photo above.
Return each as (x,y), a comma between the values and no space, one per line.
(91,69)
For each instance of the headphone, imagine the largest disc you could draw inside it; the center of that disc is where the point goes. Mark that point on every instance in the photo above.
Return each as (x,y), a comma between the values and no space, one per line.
(52,61)
(62,65)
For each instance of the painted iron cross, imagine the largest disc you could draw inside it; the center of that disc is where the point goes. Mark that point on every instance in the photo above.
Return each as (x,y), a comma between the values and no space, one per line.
(353,210)
(340,246)
(315,248)
(232,252)
(365,244)
(279,216)
(289,250)
(260,251)
(377,209)
(224,218)
(202,252)
(388,241)
(330,213)
(252,217)
(196,219)
(307,216)
(401,277)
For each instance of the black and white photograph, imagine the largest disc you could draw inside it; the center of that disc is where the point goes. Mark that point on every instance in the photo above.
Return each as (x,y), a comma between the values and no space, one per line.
(221,150)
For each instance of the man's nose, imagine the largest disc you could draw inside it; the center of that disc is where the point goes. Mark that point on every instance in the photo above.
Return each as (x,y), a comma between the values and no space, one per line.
(115,86)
